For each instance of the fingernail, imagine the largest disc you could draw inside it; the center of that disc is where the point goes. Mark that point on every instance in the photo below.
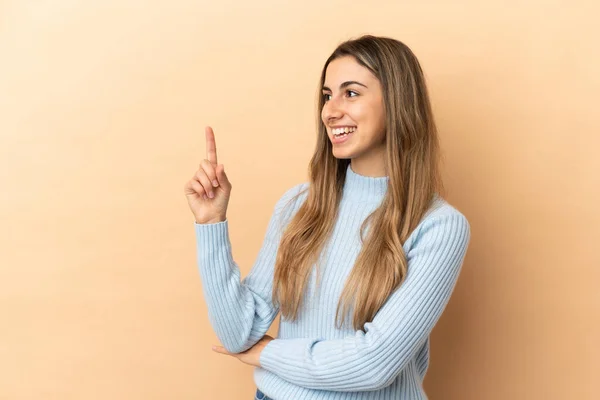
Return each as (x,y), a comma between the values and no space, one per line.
(211,194)
(215,183)
(205,198)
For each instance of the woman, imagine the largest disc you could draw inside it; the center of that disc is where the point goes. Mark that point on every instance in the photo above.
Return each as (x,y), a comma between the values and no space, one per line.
(357,304)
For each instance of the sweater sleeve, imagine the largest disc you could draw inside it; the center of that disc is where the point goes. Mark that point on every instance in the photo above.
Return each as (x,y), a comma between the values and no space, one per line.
(240,312)
(372,358)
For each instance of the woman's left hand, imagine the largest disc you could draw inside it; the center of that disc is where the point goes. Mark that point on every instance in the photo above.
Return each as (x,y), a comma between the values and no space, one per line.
(250,356)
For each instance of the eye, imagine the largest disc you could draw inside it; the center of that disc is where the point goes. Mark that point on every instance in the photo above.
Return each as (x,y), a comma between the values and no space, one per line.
(347,91)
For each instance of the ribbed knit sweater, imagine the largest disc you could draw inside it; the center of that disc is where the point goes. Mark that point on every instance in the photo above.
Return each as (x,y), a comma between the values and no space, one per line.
(311,359)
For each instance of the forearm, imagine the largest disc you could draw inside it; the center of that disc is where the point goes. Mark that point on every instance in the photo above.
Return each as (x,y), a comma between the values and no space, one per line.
(239,315)
(352,364)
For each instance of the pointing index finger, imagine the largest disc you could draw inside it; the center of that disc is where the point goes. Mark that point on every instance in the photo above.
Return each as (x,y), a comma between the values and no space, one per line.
(211,147)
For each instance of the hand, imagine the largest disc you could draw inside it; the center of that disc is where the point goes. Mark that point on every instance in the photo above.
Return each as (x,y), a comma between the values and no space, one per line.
(200,187)
(250,356)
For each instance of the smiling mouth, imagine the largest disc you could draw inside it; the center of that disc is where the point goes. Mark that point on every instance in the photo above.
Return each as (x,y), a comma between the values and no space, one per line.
(339,139)
(342,132)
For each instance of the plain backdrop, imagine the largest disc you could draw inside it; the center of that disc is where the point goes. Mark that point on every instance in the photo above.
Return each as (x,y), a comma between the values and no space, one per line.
(102,113)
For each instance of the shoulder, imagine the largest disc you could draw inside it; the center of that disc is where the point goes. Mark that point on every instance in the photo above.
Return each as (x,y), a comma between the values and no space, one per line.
(293,195)
(290,201)
(441,209)
(442,222)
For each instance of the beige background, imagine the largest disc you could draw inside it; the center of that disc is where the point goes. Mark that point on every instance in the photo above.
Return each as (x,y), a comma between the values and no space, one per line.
(102,110)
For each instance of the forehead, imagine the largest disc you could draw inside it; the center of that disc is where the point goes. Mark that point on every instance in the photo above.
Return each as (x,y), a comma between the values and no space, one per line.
(347,69)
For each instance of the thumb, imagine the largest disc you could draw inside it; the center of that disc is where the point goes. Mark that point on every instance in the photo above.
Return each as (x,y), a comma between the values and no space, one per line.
(221,175)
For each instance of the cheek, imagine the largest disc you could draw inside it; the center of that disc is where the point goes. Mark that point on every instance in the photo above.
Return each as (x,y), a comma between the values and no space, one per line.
(367,113)
(369,117)
(378,119)
(374,120)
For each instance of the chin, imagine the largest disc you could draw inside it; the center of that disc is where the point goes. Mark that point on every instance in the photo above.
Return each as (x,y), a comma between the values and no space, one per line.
(342,155)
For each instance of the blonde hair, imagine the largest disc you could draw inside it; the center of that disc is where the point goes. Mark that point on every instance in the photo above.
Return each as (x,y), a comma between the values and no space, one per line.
(412,164)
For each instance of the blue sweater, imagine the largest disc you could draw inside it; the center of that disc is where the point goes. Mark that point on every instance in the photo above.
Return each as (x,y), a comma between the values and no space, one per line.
(311,358)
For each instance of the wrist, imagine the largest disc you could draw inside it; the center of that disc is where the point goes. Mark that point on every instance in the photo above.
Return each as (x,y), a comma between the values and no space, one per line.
(212,221)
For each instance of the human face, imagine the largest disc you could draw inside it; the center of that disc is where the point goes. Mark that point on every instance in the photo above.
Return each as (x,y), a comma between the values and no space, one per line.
(354,99)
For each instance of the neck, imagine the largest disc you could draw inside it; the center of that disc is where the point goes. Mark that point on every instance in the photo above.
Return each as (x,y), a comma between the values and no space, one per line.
(361,188)
(371,164)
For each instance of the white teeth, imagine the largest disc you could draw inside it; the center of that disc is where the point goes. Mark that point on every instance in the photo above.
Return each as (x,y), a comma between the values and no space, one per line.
(340,131)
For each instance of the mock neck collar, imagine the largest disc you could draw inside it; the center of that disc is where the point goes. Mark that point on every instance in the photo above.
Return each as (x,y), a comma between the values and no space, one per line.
(360,188)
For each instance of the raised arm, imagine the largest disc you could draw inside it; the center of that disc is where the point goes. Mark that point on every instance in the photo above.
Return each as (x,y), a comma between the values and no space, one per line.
(240,312)
(372,359)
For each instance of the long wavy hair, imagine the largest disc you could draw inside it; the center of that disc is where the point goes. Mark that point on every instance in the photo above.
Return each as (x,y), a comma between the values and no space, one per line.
(412,163)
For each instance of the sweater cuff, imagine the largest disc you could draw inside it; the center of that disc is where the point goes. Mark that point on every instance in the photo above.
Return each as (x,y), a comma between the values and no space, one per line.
(212,242)
(207,235)
(279,354)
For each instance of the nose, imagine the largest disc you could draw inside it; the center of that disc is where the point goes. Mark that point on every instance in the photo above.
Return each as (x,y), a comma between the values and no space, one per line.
(332,110)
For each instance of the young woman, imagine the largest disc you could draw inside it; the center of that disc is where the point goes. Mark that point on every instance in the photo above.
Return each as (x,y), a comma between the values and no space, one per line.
(360,261)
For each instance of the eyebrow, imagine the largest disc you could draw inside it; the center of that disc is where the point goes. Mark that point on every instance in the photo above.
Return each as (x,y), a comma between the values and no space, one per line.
(343,85)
